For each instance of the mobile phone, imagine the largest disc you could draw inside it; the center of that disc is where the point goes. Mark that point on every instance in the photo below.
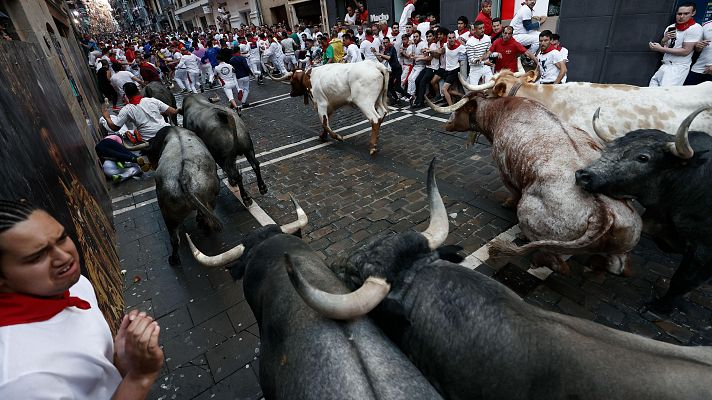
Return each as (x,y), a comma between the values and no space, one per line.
(671,29)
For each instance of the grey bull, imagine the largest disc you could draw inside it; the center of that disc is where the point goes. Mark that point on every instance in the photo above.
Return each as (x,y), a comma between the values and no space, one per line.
(186,180)
(159,91)
(302,354)
(226,136)
(473,338)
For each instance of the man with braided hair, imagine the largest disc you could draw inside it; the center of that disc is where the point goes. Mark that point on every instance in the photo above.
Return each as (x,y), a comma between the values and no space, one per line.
(54,340)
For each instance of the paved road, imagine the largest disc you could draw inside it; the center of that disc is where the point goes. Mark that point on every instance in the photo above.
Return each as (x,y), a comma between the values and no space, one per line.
(208,332)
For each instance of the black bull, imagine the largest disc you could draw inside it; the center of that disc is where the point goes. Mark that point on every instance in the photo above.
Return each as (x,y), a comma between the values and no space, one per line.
(226,136)
(302,354)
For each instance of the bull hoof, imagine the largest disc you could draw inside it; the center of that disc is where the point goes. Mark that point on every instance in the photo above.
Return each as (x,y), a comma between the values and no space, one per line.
(232,182)
(263,189)
(247,200)
(373,151)
(174,261)
(337,137)
(510,203)
(323,137)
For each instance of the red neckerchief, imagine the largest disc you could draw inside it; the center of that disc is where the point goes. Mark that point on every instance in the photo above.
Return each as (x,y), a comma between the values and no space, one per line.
(369,38)
(548,49)
(684,26)
(559,47)
(462,31)
(408,2)
(443,42)
(457,44)
(385,31)
(18,308)
(135,99)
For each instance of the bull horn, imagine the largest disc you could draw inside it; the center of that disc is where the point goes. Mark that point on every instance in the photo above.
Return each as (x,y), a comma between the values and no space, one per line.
(284,77)
(219,260)
(520,69)
(475,88)
(448,109)
(138,147)
(438,229)
(605,137)
(300,223)
(338,306)
(681,147)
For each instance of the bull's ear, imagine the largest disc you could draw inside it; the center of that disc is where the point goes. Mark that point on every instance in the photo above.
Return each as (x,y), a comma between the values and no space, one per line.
(499,89)
(530,76)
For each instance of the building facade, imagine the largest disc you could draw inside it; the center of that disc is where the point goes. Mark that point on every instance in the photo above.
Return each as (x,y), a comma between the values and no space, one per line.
(209,14)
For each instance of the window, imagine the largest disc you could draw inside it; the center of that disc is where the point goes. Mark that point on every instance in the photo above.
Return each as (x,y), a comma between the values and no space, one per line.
(554,8)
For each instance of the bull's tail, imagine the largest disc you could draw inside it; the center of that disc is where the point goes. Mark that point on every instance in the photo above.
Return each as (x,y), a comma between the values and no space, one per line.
(382,103)
(598,224)
(202,208)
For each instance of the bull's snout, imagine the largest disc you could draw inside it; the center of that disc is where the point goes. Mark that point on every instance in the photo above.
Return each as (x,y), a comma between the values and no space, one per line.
(584,179)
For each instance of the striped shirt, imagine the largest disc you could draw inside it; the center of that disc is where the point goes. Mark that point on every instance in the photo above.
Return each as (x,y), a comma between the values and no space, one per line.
(476,48)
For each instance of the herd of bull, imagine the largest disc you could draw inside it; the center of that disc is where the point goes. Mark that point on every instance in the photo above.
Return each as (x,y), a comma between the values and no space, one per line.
(399,319)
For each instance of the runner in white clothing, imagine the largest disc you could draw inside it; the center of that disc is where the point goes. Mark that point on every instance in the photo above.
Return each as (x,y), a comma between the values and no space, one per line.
(353,54)
(701,71)
(677,45)
(551,63)
(407,12)
(526,26)
(226,73)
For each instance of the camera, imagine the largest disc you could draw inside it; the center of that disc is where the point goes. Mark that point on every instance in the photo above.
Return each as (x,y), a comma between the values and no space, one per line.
(493,57)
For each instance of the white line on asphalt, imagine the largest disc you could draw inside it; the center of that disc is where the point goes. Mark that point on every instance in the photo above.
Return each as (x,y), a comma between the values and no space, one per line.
(135,206)
(254,209)
(270,102)
(270,98)
(128,196)
(418,114)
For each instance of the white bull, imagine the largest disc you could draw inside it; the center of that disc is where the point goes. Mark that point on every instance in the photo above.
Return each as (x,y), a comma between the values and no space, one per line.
(625,108)
(332,86)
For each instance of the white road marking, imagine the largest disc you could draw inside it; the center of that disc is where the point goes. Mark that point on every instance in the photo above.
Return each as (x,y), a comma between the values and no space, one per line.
(481,255)
(254,209)
(128,196)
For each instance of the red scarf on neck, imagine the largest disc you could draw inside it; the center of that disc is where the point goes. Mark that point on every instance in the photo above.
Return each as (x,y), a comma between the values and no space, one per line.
(385,32)
(369,38)
(135,99)
(462,31)
(549,49)
(18,308)
(684,26)
(457,44)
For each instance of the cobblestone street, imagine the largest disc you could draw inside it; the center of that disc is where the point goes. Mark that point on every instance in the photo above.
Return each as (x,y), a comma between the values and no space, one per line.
(209,335)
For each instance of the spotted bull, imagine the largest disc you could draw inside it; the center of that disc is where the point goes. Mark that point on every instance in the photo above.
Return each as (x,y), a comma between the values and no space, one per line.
(537,155)
(226,136)
(473,338)
(670,177)
(627,107)
(186,180)
(332,86)
(302,354)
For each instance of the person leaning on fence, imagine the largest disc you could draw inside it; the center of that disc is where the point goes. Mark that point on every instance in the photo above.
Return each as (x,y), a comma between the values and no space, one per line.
(54,340)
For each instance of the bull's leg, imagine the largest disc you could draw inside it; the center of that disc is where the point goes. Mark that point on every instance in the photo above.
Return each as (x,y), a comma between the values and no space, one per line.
(553,261)
(325,112)
(617,264)
(689,275)
(256,167)
(234,178)
(375,132)
(173,227)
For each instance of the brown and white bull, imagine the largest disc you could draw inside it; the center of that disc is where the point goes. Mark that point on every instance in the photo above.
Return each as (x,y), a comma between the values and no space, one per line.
(628,107)
(332,86)
(538,155)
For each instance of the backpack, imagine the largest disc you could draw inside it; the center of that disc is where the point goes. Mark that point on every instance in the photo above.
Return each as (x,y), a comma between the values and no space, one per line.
(338,46)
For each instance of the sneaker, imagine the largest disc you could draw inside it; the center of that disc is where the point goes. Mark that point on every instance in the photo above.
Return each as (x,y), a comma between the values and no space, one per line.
(120,165)
(202,89)
(116,178)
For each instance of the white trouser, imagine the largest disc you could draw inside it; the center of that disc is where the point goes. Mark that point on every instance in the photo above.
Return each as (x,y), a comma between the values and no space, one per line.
(404,75)
(412,77)
(529,39)
(110,169)
(255,65)
(181,78)
(291,61)
(230,90)
(478,71)
(278,62)
(194,80)
(206,73)
(670,75)
(243,85)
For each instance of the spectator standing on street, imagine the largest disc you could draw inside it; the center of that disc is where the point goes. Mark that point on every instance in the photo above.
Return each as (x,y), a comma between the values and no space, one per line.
(408,9)
(677,45)
(477,50)
(507,50)
(54,340)
(701,71)
(551,63)
(485,16)
(526,26)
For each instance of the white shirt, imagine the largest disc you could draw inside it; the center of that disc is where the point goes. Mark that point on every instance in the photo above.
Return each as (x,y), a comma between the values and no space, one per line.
(422,45)
(524,13)
(119,79)
(353,54)
(547,62)
(191,62)
(435,62)
(366,47)
(146,116)
(93,55)
(405,15)
(275,50)
(68,356)
(691,34)
(289,45)
(226,72)
(452,57)
(706,54)
(476,48)
(350,20)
